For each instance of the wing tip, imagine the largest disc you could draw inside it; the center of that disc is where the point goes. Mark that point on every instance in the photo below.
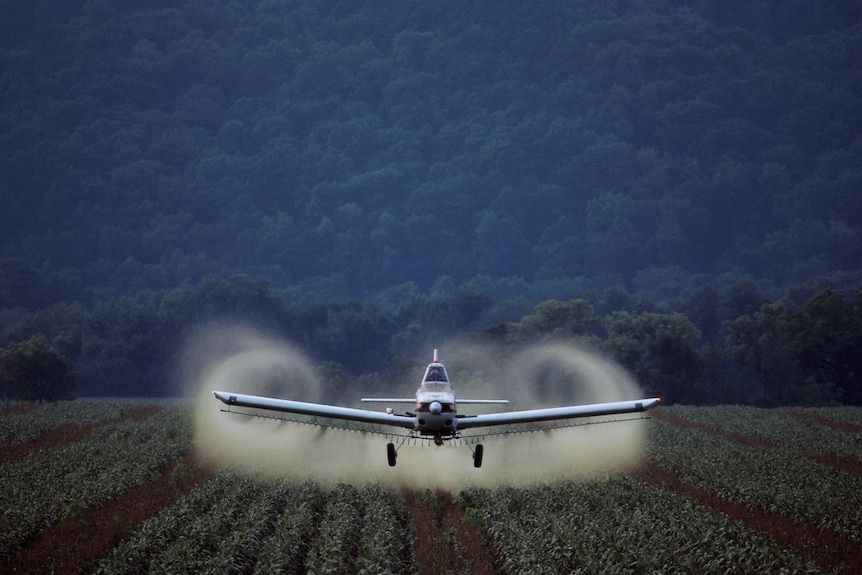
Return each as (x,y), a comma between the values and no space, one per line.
(224,397)
(650,403)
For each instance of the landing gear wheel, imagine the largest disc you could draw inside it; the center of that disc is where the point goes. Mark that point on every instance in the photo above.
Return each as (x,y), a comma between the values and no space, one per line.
(477,455)
(390,454)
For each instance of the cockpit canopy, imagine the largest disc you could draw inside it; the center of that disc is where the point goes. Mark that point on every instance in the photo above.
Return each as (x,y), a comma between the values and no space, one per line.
(436,373)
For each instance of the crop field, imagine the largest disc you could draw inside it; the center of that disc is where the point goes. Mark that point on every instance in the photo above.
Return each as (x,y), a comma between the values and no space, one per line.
(116,488)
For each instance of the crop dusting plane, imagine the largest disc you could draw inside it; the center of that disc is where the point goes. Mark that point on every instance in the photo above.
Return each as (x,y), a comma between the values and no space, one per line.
(435,416)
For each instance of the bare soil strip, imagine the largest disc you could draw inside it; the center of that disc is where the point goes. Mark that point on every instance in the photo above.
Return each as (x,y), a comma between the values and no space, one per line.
(432,554)
(21,409)
(63,434)
(469,541)
(735,437)
(845,463)
(67,433)
(71,545)
(836,425)
(830,551)
(445,542)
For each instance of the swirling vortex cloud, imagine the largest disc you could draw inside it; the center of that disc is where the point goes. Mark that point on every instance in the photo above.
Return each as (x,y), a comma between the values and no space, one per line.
(242,360)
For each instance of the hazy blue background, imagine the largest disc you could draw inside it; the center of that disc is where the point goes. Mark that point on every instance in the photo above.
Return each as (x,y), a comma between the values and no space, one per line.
(388,153)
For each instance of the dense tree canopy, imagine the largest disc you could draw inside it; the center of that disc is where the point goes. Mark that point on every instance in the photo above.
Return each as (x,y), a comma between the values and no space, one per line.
(802,348)
(804,355)
(33,371)
(339,149)
(676,182)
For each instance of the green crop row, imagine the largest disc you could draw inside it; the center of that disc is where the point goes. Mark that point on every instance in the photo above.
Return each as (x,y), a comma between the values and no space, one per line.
(236,524)
(51,485)
(776,479)
(219,527)
(619,523)
(17,428)
(792,428)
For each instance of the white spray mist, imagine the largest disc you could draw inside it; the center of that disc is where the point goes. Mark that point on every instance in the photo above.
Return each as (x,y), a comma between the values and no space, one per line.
(242,360)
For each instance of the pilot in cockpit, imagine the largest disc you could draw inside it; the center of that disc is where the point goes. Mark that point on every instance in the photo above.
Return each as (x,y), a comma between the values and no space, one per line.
(436,373)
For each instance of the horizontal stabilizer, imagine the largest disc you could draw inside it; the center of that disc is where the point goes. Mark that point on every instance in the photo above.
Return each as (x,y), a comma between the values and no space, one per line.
(413,400)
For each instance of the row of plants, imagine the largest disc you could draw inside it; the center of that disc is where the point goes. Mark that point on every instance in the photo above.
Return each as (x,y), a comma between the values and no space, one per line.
(760,461)
(446,541)
(286,548)
(803,430)
(762,476)
(75,544)
(617,525)
(26,424)
(237,524)
(388,534)
(756,460)
(223,516)
(48,486)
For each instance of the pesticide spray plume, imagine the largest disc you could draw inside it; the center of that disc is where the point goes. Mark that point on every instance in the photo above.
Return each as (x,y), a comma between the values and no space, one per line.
(242,360)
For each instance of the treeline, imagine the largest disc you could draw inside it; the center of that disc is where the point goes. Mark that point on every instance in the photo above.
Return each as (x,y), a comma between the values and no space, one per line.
(388,174)
(344,148)
(130,346)
(729,346)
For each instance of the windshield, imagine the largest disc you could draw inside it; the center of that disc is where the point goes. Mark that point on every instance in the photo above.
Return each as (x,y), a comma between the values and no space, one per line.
(436,372)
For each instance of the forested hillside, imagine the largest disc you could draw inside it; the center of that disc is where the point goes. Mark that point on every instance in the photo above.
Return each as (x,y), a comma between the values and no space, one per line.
(344,148)
(363,178)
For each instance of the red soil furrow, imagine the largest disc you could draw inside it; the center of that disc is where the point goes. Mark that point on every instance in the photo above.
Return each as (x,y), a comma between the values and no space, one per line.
(469,541)
(845,463)
(63,434)
(21,409)
(138,413)
(432,554)
(435,551)
(836,425)
(830,551)
(67,433)
(735,437)
(71,545)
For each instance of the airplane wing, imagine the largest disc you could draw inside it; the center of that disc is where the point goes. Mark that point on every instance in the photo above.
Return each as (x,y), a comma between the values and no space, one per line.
(554,413)
(352,414)
(464,422)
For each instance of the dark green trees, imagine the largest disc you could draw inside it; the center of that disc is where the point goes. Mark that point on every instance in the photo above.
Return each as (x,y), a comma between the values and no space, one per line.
(345,150)
(661,351)
(33,371)
(807,355)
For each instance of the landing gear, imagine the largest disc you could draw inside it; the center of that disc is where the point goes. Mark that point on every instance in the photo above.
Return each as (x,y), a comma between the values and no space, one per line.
(391,455)
(477,455)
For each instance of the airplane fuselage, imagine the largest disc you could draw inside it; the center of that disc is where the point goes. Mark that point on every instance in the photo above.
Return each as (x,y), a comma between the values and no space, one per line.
(436,410)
